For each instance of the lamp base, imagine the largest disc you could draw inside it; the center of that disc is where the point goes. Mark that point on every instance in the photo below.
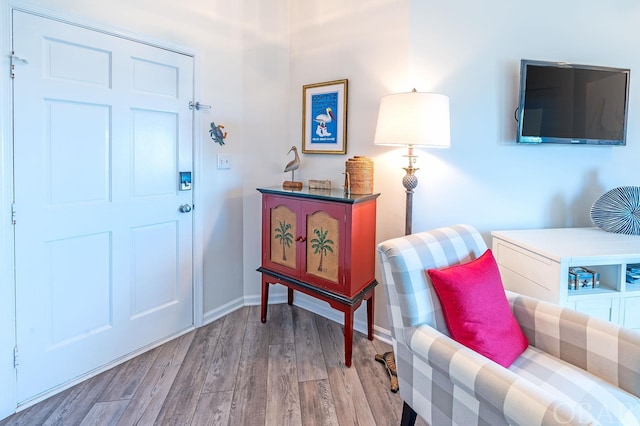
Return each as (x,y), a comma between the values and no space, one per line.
(410,182)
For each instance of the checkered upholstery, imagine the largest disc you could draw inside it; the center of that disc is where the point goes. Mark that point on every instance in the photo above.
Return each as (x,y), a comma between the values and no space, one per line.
(577,369)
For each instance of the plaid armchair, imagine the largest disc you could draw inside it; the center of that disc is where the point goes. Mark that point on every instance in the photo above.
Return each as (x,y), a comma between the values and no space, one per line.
(577,370)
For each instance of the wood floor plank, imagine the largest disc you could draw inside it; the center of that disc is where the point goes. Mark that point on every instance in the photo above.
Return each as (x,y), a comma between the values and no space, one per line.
(221,375)
(128,376)
(283,404)
(253,315)
(184,394)
(309,357)
(280,324)
(318,403)
(105,413)
(352,407)
(331,335)
(249,402)
(381,347)
(386,406)
(77,404)
(150,396)
(37,414)
(213,409)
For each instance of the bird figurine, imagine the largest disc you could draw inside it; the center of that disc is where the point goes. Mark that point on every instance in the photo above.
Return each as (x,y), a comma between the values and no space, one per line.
(292,166)
(216,133)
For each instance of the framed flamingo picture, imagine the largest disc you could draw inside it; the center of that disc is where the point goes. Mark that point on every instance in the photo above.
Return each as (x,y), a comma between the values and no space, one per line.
(324,118)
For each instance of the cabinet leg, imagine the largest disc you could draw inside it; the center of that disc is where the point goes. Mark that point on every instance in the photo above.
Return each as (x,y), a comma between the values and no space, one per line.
(290,296)
(348,337)
(265,301)
(370,306)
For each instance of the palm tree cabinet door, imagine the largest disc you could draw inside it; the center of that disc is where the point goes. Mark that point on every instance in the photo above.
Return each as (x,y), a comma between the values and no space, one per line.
(280,250)
(324,241)
(282,239)
(283,230)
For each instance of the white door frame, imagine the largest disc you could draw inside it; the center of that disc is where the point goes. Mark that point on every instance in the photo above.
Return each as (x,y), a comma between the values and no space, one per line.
(8,396)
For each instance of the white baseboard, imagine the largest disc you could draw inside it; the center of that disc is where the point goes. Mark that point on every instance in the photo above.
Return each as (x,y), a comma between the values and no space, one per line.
(221,311)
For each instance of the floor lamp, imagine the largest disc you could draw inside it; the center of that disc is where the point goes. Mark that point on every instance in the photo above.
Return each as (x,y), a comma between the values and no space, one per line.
(411,119)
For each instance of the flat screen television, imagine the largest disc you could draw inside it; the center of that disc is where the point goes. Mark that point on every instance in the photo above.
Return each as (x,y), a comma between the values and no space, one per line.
(567,103)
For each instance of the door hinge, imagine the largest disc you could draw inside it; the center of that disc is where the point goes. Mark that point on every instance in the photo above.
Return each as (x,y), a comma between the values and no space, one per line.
(13,59)
(13,213)
(15,357)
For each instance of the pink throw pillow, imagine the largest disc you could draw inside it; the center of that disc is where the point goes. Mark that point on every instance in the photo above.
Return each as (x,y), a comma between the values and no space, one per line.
(477,311)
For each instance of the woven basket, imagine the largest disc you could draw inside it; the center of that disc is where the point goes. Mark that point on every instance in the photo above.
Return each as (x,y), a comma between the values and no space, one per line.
(360,175)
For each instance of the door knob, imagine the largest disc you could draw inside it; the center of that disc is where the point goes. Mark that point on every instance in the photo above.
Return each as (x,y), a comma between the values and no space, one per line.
(185,208)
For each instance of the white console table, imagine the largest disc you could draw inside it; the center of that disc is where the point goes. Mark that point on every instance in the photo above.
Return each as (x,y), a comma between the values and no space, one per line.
(536,263)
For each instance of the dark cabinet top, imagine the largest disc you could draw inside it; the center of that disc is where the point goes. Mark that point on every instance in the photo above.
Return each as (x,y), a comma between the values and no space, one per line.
(336,195)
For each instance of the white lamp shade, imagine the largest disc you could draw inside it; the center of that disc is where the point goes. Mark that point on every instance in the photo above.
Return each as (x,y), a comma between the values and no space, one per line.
(413,118)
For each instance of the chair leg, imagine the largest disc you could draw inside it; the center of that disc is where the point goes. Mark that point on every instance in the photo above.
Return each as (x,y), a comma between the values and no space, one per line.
(408,415)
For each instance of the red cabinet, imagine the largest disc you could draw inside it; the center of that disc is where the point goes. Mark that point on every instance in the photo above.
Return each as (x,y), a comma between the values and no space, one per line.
(323,244)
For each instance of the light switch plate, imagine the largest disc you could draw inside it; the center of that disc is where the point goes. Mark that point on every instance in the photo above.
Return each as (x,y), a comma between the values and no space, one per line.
(224,162)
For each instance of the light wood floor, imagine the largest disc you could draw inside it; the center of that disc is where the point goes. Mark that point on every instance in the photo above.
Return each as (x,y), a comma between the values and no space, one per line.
(236,371)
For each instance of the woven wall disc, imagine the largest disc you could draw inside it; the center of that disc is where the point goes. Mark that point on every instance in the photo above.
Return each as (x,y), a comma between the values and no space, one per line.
(618,210)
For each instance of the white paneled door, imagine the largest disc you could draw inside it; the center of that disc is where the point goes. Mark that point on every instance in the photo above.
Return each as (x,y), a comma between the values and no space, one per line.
(103,251)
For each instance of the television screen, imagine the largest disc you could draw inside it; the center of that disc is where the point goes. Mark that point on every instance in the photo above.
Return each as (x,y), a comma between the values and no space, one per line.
(574,104)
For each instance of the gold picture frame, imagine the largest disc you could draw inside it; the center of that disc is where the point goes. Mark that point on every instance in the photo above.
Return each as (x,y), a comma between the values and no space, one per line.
(324,117)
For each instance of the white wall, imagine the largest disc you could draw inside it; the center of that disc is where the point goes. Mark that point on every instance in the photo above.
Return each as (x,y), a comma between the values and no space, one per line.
(266,120)
(471,51)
